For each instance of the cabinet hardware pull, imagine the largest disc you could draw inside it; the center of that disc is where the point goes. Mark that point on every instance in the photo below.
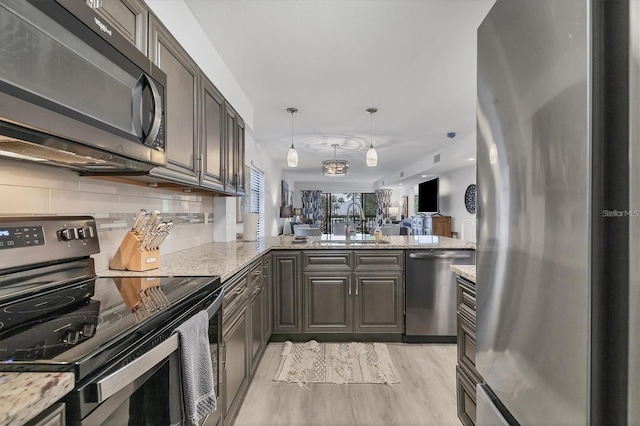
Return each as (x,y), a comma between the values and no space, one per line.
(349,286)
(356,287)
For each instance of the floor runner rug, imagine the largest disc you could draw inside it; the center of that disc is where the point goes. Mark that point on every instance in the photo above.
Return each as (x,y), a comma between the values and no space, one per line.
(338,363)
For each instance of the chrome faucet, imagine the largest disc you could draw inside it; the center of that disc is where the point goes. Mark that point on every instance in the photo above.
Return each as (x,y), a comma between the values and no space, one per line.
(348,229)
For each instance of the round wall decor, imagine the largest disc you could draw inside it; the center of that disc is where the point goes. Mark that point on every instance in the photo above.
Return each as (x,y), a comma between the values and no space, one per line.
(470,198)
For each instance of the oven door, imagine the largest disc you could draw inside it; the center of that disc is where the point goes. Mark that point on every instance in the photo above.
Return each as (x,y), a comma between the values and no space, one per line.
(138,393)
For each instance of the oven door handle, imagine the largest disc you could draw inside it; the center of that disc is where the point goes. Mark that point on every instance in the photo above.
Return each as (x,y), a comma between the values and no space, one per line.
(216,304)
(117,380)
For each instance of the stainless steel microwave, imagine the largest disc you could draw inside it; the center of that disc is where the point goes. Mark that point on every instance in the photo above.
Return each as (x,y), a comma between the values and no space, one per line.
(75,93)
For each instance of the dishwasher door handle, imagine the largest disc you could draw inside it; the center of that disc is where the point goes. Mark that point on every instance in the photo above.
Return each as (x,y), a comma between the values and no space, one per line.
(438,255)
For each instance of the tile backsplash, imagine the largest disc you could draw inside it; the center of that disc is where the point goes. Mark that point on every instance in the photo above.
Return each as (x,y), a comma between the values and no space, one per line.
(31,189)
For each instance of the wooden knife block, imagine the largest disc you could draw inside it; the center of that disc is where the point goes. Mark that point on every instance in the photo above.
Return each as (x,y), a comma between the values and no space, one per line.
(130,258)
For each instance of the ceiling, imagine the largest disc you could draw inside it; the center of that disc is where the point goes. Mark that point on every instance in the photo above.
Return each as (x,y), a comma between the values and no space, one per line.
(415,60)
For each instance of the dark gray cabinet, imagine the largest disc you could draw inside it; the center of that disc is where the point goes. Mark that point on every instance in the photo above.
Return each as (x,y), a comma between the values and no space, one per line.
(328,303)
(267,300)
(128,17)
(212,148)
(287,292)
(467,377)
(256,306)
(353,291)
(378,302)
(236,343)
(182,103)
(233,163)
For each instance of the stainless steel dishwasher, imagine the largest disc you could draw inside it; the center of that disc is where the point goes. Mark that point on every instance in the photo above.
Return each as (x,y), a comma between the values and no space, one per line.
(430,294)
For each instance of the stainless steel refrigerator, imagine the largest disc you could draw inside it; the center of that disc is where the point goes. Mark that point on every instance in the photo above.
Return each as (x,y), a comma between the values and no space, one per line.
(558,257)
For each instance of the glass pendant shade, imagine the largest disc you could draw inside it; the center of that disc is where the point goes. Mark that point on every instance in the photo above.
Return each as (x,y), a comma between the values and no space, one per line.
(372,157)
(292,157)
(292,154)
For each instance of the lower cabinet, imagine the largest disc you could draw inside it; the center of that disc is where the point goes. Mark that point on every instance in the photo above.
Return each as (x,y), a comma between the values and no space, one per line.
(235,368)
(287,292)
(467,377)
(246,329)
(355,291)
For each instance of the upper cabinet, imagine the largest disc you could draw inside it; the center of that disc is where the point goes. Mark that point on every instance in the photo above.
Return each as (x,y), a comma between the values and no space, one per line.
(213,149)
(128,17)
(205,135)
(181,104)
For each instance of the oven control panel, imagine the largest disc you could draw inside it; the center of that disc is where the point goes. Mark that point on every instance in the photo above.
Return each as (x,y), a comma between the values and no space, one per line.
(38,239)
(19,236)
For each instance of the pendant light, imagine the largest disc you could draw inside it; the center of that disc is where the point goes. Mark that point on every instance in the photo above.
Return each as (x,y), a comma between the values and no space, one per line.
(372,155)
(292,155)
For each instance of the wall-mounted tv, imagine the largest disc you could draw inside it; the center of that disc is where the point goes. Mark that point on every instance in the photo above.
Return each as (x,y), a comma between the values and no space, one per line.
(428,196)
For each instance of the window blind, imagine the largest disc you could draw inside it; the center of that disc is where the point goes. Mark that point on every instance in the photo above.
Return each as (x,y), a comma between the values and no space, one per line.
(257,198)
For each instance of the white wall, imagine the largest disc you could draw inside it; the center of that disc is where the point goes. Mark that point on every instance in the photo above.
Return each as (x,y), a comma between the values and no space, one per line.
(452,187)
(32,189)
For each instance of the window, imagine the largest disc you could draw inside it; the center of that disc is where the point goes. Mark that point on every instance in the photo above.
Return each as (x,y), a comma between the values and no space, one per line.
(257,198)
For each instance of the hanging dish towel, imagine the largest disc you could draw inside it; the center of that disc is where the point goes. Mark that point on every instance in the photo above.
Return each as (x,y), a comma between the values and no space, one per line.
(198,393)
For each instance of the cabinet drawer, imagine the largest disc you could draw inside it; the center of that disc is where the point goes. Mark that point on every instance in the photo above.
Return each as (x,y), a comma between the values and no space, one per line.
(466,297)
(255,272)
(235,290)
(333,260)
(467,348)
(388,260)
(466,394)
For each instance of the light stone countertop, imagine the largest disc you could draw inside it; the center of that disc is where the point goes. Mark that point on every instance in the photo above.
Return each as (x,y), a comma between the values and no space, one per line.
(25,395)
(465,271)
(227,259)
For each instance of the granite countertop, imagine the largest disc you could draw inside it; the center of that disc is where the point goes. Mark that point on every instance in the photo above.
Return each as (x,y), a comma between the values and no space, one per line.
(25,395)
(227,259)
(465,271)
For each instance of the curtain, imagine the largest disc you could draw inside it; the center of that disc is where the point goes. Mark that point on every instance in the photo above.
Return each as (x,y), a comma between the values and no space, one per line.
(311,204)
(383,201)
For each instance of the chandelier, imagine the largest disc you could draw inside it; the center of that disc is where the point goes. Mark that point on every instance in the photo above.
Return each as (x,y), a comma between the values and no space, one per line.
(335,167)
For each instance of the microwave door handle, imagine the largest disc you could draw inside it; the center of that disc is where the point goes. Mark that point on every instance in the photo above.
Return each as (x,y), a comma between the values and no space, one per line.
(118,380)
(145,81)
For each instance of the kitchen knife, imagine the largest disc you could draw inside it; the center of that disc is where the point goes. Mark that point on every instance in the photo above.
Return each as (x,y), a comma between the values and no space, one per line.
(154,220)
(158,233)
(138,221)
(167,229)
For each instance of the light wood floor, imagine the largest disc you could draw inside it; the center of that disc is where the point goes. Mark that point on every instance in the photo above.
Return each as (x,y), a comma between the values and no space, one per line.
(426,396)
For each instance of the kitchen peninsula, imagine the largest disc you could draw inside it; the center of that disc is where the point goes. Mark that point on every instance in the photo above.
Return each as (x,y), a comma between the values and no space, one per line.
(252,317)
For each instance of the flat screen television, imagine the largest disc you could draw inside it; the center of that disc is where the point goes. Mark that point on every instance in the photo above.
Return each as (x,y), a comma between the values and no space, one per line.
(428,196)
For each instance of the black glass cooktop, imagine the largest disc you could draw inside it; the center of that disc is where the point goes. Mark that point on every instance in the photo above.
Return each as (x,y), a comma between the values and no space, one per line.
(81,326)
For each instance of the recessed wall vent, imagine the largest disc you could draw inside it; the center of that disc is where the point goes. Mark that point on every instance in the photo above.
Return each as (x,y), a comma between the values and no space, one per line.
(436,158)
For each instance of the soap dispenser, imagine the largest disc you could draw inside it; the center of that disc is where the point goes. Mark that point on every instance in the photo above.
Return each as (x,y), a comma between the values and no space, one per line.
(377,234)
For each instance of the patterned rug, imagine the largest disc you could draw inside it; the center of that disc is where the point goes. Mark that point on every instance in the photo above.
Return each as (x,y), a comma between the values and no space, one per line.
(339,363)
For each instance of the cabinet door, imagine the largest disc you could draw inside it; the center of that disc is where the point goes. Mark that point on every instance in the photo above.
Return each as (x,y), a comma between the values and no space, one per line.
(441,226)
(212,146)
(235,338)
(230,152)
(239,156)
(287,294)
(327,302)
(267,300)
(128,17)
(378,303)
(182,104)
(257,318)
